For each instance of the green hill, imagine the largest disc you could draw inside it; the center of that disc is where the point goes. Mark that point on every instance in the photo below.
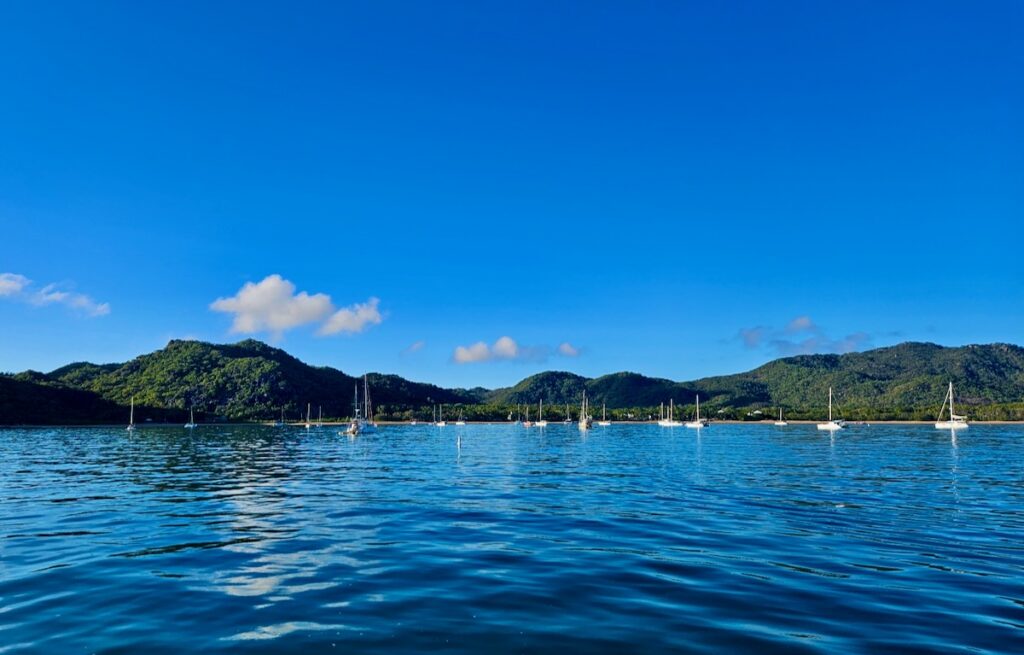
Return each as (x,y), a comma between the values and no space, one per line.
(250,380)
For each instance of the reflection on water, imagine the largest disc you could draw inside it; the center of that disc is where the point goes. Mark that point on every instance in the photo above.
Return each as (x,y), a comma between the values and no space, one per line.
(500,538)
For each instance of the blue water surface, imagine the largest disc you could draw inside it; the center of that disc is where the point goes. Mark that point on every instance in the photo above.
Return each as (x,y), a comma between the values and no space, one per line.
(503,539)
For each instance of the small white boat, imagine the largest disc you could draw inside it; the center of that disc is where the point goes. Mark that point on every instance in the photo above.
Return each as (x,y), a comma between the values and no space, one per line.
(527,423)
(832,425)
(780,423)
(308,424)
(956,421)
(462,419)
(568,415)
(191,419)
(440,422)
(131,417)
(586,421)
(668,420)
(697,422)
(540,422)
(362,422)
(604,422)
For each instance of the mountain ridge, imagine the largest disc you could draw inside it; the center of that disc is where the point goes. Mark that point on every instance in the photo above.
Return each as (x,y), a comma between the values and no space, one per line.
(251,380)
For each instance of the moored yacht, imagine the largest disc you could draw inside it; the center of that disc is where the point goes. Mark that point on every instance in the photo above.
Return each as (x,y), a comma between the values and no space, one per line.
(833,424)
(956,421)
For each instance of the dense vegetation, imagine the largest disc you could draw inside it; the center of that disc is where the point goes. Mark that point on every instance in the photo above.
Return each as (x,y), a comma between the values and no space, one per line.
(253,381)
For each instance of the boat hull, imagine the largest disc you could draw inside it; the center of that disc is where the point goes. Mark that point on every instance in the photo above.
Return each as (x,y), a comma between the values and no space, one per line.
(951,425)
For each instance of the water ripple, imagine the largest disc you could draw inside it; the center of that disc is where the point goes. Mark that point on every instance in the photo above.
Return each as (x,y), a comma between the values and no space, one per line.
(501,539)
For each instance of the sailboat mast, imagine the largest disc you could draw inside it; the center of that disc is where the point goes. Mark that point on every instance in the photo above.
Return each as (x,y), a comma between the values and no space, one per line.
(951,412)
(830,404)
(698,407)
(131,413)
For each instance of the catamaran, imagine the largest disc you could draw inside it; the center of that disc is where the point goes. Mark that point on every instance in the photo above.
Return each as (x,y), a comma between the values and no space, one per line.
(956,421)
(191,419)
(604,422)
(780,423)
(668,420)
(697,422)
(540,422)
(832,425)
(585,419)
(131,417)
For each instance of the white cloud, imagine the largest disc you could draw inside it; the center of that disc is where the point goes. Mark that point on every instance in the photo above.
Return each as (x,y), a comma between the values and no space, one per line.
(19,287)
(272,305)
(12,284)
(568,350)
(353,319)
(503,348)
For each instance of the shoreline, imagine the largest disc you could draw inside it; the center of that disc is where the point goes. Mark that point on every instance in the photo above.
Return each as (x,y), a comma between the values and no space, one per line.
(327,424)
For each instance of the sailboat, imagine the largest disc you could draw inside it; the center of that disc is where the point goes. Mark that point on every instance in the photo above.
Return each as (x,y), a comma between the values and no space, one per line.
(697,422)
(191,419)
(527,423)
(585,419)
(604,422)
(780,423)
(362,422)
(440,418)
(832,425)
(131,417)
(462,419)
(320,416)
(668,420)
(281,422)
(956,421)
(308,424)
(568,416)
(541,423)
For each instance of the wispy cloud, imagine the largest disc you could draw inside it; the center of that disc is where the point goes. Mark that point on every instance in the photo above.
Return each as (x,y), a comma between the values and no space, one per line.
(272,305)
(19,288)
(801,336)
(413,347)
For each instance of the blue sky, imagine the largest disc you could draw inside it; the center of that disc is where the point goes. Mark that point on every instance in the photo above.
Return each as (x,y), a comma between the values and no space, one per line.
(679,188)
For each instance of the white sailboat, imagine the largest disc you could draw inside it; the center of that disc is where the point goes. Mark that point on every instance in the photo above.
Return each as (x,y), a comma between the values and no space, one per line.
(586,421)
(527,423)
(956,421)
(780,423)
(668,420)
(540,422)
(362,422)
(320,416)
(191,419)
(440,418)
(131,417)
(568,416)
(697,422)
(462,418)
(308,408)
(832,425)
(604,422)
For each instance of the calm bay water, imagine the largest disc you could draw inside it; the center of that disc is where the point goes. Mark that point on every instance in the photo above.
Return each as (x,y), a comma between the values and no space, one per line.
(630,539)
